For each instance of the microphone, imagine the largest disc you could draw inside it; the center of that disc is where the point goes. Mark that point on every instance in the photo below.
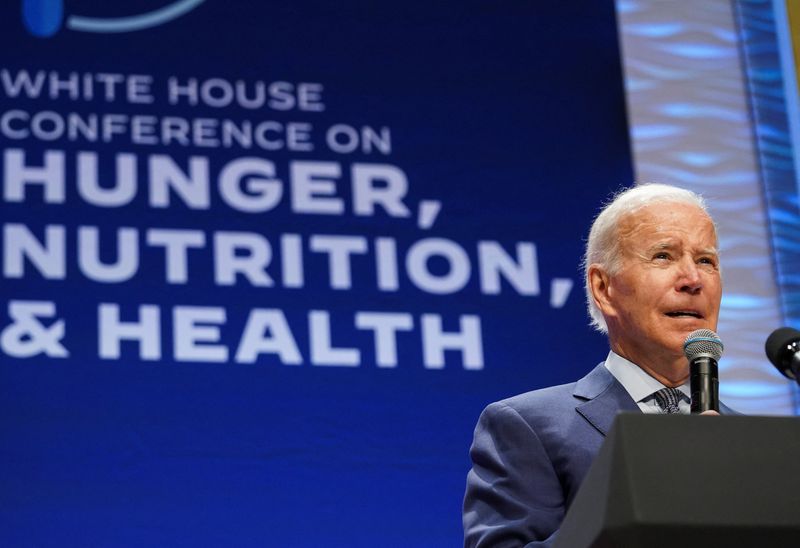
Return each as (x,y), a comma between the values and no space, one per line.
(703,349)
(783,350)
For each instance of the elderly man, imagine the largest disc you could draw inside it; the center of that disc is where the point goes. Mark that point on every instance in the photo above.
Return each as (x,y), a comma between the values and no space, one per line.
(652,277)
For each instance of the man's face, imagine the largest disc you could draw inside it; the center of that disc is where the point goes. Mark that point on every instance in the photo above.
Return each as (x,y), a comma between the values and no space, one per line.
(668,283)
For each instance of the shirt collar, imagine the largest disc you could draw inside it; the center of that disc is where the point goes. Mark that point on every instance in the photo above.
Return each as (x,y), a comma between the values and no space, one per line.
(636,381)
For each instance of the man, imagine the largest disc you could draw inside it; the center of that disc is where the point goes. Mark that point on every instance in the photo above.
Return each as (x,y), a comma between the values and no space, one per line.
(652,277)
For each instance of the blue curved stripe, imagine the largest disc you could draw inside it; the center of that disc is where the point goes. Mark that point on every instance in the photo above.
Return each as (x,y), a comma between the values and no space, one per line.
(134,22)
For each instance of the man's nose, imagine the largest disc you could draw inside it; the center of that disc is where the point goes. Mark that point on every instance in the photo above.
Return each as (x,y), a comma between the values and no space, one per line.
(689,279)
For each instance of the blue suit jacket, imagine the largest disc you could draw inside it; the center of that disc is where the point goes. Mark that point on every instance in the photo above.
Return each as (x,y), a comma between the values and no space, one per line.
(530,454)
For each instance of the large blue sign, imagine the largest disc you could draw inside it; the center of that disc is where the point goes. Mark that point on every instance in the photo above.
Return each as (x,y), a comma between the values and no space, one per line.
(263,266)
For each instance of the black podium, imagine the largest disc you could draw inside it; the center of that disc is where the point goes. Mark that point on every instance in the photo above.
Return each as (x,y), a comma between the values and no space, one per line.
(689,481)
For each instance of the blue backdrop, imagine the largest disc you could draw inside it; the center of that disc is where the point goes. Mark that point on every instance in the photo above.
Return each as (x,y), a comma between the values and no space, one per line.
(264,265)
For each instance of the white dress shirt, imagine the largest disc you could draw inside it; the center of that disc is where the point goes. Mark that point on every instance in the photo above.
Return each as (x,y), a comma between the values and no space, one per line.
(641,386)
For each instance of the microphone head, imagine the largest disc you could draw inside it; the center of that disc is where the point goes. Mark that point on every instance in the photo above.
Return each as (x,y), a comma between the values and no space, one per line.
(703,343)
(781,346)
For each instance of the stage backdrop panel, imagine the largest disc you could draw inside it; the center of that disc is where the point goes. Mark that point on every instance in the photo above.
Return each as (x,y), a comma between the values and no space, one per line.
(264,264)
(706,112)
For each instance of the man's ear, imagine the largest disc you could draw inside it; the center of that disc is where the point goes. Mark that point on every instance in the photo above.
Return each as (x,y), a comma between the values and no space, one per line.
(600,285)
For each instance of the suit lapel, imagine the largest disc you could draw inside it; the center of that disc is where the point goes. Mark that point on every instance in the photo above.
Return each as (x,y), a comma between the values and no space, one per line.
(604,397)
(725,410)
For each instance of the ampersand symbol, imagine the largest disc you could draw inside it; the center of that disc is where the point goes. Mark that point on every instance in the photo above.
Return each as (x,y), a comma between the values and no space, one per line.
(27,336)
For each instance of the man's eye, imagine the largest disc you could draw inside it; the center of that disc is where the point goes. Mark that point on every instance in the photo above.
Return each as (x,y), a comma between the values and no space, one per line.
(708,260)
(662,255)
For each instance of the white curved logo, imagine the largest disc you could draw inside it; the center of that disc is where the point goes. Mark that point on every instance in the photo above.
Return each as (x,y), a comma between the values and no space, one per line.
(44,18)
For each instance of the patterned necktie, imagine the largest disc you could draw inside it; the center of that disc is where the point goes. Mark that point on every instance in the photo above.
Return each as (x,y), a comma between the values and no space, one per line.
(667,399)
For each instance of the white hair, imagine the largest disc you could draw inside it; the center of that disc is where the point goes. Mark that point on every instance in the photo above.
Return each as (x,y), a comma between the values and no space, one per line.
(602,247)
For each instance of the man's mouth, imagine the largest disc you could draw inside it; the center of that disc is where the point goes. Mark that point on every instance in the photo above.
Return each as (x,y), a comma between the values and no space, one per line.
(685,314)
